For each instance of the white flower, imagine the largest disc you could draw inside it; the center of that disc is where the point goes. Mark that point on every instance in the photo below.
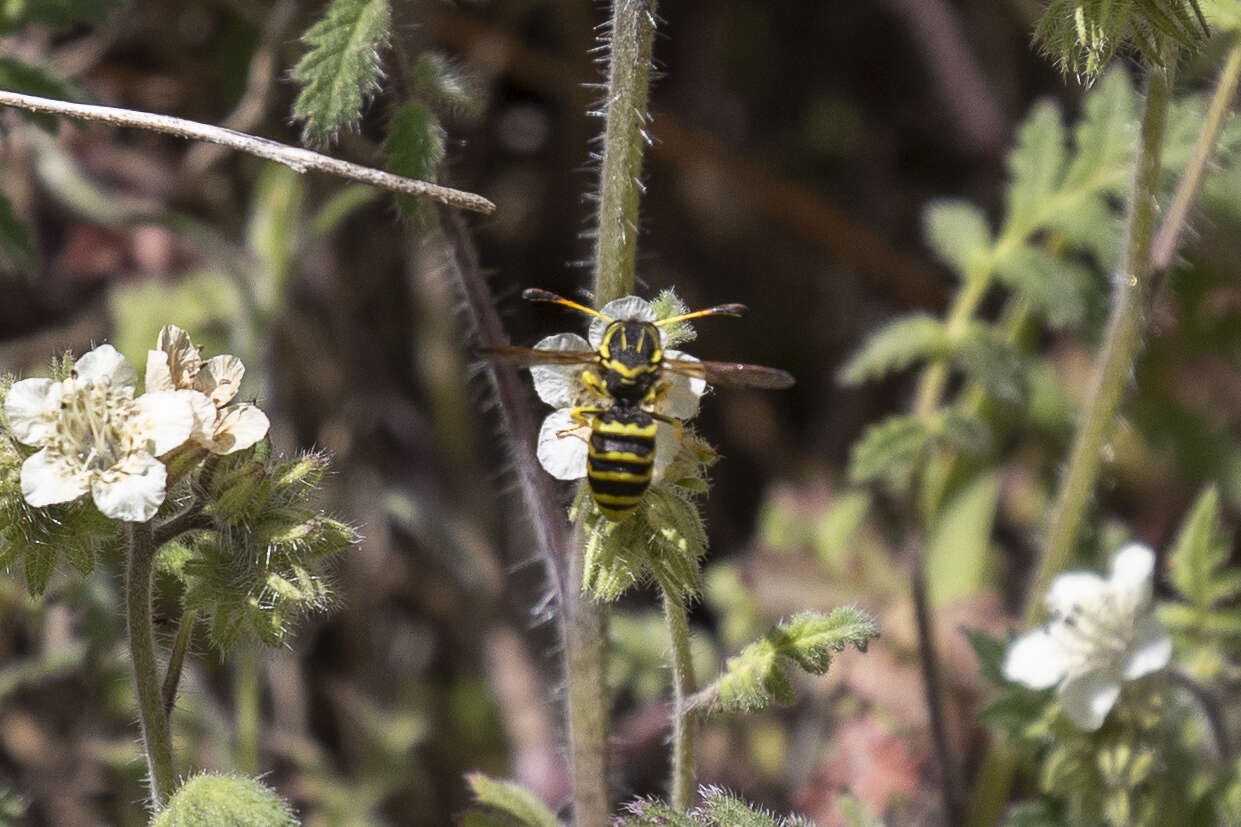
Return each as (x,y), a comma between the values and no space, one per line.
(563,442)
(208,387)
(95,437)
(1101,633)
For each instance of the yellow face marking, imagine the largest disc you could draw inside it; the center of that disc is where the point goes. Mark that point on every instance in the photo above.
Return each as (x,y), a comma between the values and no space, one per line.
(624,340)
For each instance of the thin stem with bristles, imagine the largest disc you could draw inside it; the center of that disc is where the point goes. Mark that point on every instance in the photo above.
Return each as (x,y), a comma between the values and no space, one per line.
(156,735)
(684,719)
(1132,288)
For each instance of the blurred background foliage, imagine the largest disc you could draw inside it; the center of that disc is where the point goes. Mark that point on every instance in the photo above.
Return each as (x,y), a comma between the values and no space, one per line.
(802,157)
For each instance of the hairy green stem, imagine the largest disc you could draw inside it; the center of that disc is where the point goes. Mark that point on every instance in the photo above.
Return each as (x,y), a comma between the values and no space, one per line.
(176,659)
(156,735)
(624,140)
(1167,240)
(1133,284)
(684,719)
(587,702)
(248,690)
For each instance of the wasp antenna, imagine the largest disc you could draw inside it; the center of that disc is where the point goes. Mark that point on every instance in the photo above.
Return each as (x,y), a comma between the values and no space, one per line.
(535,294)
(718,310)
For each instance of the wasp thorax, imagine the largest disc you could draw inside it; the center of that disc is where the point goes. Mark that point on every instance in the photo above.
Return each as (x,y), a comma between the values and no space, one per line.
(630,355)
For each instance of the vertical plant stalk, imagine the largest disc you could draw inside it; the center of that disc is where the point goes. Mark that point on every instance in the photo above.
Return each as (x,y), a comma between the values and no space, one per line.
(1168,239)
(176,659)
(1132,288)
(684,719)
(624,140)
(248,689)
(156,735)
(587,702)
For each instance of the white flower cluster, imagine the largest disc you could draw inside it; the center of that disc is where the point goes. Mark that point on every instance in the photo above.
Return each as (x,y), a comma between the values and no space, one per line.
(95,437)
(562,441)
(1101,633)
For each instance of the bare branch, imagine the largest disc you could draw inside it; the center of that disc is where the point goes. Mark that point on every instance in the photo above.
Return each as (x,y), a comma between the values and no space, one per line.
(296,158)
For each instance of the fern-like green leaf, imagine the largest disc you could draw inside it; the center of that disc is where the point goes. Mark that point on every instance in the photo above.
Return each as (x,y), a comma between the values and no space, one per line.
(896,346)
(758,675)
(1035,164)
(1200,556)
(513,800)
(993,362)
(414,146)
(1061,289)
(888,448)
(959,234)
(342,66)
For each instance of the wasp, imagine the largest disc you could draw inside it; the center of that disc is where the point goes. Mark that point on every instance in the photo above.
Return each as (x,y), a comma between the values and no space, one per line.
(625,378)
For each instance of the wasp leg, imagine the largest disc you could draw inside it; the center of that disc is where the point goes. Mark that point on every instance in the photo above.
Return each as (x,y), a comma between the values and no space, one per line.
(594,383)
(581,415)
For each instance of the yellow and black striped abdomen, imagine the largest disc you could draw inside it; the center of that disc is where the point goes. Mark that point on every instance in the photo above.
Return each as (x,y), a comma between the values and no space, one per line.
(620,459)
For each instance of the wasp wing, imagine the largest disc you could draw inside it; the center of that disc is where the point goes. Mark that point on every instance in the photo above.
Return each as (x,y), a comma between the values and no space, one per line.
(731,374)
(524,357)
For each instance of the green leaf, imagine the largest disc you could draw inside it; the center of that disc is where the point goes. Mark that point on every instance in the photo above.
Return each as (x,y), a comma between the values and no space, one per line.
(990,651)
(342,66)
(1035,164)
(17,250)
(224,801)
(414,146)
(757,676)
(993,362)
(896,346)
(958,553)
(439,79)
(959,234)
(888,448)
(1105,137)
(1200,554)
(1059,288)
(55,14)
(960,432)
(30,79)
(513,800)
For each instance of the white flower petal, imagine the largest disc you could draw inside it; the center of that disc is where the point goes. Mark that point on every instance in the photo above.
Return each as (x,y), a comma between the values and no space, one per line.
(105,363)
(163,419)
(1075,588)
(1087,698)
(205,415)
(220,378)
(666,448)
(1036,660)
(45,481)
(181,355)
(560,385)
(31,407)
(1151,649)
(158,372)
(564,457)
(239,427)
(1133,569)
(135,493)
(622,309)
(681,401)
